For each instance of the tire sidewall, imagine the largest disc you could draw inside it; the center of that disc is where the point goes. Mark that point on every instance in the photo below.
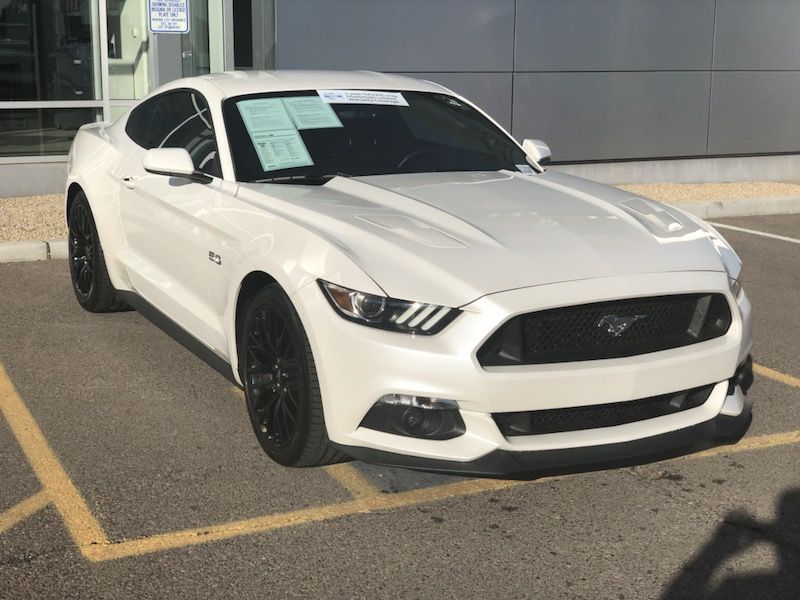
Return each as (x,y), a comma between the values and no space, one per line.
(274,297)
(91,298)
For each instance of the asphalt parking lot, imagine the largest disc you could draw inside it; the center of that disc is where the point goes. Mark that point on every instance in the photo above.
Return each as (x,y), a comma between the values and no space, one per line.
(128,468)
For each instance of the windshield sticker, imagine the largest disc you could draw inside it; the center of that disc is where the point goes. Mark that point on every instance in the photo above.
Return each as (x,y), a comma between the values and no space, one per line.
(527,169)
(280,149)
(362,97)
(310,112)
(264,114)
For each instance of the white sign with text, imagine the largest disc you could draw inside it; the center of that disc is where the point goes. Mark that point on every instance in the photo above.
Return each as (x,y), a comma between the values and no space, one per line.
(168,16)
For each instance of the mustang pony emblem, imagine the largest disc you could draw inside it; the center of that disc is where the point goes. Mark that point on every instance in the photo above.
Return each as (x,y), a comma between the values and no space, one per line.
(616,325)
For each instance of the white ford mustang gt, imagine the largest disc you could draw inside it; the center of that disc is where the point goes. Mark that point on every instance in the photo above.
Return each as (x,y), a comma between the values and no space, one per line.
(391,277)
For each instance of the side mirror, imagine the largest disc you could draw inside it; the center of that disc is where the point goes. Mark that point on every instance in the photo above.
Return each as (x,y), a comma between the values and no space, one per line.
(537,150)
(173,162)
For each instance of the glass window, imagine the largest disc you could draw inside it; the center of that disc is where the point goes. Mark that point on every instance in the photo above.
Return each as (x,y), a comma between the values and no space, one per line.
(194,45)
(128,49)
(433,132)
(48,50)
(178,119)
(35,132)
(191,128)
(138,125)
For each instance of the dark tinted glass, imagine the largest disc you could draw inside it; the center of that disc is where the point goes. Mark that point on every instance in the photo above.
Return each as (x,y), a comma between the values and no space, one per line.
(435,132)
(47,50)
(138,124)
(177,120)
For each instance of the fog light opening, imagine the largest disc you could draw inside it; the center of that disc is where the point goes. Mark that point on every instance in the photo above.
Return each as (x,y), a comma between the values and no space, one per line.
(415,416)
(743,377)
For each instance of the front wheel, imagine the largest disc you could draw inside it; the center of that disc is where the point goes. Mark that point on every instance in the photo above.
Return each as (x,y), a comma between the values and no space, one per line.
(281,386)
(87,264)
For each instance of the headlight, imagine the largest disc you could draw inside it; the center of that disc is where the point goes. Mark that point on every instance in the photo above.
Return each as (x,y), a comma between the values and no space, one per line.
(735,284)
(730,260)
(388,313)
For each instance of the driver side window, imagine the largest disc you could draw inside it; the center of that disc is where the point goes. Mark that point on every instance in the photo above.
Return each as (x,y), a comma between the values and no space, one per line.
(179,119)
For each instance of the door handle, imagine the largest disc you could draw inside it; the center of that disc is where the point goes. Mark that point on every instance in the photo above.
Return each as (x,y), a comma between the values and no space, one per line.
(129,182)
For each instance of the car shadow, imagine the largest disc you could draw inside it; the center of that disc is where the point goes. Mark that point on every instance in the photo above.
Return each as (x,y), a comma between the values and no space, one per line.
(701,577)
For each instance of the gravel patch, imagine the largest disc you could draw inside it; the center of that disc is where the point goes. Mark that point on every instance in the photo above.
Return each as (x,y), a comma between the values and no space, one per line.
(701,192)
(32,218)
(42,217)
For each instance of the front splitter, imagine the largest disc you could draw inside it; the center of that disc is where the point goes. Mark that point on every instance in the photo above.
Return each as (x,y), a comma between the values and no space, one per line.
(721,430)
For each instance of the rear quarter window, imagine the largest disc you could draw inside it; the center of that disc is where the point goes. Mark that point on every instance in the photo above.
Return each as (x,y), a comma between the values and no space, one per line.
(139,120)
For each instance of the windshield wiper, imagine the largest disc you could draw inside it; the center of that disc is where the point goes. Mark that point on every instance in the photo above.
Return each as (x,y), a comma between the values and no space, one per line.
(302,179)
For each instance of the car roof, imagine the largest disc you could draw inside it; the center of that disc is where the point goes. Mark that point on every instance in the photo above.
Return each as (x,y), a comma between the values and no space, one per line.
(237,83)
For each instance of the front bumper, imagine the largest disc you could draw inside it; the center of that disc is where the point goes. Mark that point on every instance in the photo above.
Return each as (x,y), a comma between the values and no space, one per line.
(356,365)
(720,430)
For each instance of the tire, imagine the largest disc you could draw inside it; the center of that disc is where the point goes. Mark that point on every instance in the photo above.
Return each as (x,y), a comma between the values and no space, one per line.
(281,387)
(87,264)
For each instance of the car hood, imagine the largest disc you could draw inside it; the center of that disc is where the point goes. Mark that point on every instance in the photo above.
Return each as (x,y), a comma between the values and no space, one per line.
(450,238)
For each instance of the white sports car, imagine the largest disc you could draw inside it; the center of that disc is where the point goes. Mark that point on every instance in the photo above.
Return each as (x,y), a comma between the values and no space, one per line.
(391,277)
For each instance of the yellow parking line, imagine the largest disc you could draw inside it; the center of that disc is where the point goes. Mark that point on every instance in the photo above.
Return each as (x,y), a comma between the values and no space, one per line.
(353,480)
(82,526)
(776,375)
(92,541)
(23,510)
(757,442)
(202,535)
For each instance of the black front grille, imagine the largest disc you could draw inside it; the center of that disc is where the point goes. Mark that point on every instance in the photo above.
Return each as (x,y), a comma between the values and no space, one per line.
(607,330)
(558,420)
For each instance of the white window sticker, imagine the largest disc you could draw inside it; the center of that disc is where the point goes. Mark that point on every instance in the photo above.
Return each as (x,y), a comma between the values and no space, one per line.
(310,112)
(362,97)
(527,169)
(282,149)
(264,114)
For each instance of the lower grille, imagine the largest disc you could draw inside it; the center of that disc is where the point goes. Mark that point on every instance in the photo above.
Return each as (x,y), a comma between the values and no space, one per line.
(559,420)
(611,329)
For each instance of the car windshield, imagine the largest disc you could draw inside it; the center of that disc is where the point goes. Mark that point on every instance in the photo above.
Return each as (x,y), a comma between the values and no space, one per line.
(310,136)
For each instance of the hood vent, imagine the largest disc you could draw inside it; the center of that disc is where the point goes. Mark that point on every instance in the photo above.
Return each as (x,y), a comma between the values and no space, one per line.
(413,230)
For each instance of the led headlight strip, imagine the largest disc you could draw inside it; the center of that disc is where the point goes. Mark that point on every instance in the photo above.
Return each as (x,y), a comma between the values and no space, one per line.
(388,313)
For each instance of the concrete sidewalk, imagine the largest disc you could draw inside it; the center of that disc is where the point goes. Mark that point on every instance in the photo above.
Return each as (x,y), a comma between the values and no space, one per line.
(33,227)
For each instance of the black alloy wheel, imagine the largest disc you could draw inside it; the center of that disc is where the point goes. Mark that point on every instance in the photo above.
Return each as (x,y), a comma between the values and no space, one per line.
(87,264)
(281,387)
(81,251)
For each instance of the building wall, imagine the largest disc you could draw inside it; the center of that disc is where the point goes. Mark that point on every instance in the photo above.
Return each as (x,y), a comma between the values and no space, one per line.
(596,79)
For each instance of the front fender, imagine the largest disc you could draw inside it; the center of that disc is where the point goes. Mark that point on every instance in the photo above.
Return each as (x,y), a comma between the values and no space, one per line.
(294,258)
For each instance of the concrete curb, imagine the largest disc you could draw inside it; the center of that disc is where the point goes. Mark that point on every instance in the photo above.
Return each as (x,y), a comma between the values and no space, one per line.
(57,249)
(23,251)
(712,209)
(30,251)
(749,207)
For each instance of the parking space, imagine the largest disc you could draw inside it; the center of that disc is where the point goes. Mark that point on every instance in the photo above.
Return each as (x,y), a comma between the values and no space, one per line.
(128,468)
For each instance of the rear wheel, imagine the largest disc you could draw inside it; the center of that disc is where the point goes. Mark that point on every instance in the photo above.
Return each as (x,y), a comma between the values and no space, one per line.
(281,387)
(87,265)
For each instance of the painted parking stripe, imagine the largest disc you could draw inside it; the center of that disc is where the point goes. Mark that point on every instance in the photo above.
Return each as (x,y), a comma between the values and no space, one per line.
(202,535)
(776,375)
(23,510)
(773,236)
(353,480)
(93,543)
(82,526)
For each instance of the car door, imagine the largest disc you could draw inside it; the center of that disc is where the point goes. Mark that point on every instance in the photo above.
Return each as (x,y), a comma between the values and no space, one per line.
(164,219)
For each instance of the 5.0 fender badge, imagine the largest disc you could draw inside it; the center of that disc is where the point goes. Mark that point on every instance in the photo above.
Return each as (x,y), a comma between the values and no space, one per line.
(616,325)
(214,257)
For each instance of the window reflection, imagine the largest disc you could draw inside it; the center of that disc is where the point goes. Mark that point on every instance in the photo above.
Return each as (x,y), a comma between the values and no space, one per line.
(47,50)
(32,132)
(128,46)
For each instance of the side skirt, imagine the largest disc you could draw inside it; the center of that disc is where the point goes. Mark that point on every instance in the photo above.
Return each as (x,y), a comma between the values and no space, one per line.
(179,334)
